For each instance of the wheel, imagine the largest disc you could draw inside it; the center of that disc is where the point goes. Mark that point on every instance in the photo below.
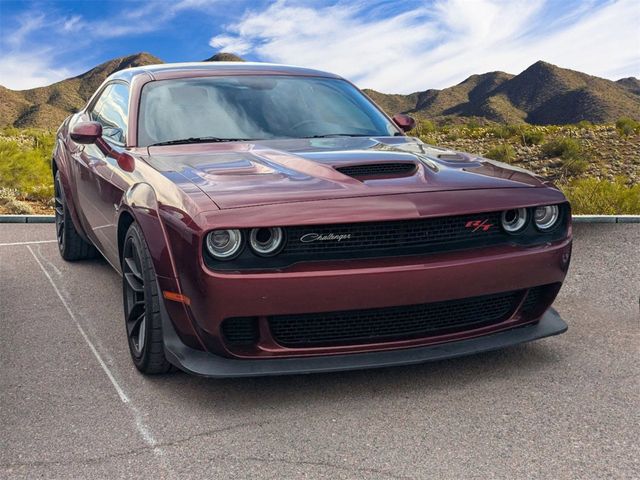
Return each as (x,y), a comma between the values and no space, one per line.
(71,245)
(142,305)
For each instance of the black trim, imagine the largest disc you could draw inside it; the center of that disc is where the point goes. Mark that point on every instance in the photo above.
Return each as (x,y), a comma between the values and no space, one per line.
(208,365)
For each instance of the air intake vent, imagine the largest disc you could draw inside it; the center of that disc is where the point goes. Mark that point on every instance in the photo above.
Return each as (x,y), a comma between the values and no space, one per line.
(378,169)
(452,157)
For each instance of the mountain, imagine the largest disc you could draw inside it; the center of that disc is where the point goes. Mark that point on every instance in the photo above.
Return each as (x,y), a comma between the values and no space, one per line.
(225,57)
(542,94)
(47,107)
(630,83)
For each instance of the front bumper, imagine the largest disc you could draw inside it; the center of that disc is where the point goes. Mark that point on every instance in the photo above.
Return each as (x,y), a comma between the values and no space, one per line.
(209,365)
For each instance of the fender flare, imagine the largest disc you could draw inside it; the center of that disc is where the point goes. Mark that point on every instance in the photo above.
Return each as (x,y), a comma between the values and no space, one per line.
(140,204)
(60,163)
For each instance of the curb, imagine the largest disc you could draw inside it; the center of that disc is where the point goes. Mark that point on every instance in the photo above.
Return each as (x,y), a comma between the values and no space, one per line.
(575,218)
(606,218)
(27,219)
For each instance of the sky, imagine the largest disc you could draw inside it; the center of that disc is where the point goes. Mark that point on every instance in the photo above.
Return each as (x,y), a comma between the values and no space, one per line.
(396,46)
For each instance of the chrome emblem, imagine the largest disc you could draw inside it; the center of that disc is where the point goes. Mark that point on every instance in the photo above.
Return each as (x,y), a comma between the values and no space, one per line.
(318,237)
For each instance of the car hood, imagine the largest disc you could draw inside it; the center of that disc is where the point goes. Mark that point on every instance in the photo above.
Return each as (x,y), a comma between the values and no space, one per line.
(241,174)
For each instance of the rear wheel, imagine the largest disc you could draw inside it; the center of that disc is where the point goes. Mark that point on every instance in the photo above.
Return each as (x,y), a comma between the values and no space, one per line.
(142,305)
(71,245)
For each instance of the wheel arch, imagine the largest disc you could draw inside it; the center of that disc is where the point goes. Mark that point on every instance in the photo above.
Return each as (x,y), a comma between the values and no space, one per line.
(140,205)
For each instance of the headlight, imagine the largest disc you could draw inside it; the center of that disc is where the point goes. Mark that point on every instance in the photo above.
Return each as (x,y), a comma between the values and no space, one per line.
(224,244)
(514,220)
(546,217)
(266,241)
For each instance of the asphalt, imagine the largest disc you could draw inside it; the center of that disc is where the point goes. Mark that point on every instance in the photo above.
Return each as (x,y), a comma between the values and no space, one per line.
(73,406)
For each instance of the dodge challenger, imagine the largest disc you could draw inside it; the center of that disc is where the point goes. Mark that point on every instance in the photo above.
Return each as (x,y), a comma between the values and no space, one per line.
(269,219)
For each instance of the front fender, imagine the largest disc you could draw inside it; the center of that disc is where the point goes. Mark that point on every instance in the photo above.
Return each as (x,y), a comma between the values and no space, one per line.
(141,202)
(61,162)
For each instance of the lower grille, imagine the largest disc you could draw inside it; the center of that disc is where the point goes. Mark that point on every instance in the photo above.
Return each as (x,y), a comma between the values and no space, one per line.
(240,331)
(392,323)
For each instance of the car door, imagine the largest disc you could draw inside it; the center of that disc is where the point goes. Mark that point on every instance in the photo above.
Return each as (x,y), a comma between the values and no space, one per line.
(96,164)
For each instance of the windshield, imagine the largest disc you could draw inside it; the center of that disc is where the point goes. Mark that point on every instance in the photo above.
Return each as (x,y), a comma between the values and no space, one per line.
(256,108)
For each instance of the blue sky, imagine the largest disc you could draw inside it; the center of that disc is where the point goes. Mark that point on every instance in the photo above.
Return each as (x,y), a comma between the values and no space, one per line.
(392,46)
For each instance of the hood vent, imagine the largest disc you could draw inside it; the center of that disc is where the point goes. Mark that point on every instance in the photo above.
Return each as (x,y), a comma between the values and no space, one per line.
(382,169)
(453,157)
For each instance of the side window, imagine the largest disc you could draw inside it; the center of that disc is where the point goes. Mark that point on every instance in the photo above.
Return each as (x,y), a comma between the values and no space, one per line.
(112,110)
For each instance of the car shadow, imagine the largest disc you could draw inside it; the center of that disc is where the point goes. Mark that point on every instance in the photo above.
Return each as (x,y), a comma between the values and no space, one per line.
(279,393)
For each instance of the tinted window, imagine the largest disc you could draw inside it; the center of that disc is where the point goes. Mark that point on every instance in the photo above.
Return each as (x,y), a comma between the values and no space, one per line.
(256,107)
(111,110)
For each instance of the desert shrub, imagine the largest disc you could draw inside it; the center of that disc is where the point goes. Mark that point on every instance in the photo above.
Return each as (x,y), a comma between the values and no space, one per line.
(503,153)
(25,163)
(574,166)
(603,197)
(473,124)
(627,126)
(566,148)
(500,131)
(425,127)
(584,124)
(531,136)
(16,207)
(452,134)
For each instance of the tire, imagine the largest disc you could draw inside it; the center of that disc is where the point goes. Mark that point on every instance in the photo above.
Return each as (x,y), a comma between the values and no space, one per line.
(71,245)
(143,324)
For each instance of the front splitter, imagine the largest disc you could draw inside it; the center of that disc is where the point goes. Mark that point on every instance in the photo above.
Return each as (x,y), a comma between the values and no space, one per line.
(208,365)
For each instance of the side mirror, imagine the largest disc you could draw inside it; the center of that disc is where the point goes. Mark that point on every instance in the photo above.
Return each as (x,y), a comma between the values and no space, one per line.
(404,121)
(86,132)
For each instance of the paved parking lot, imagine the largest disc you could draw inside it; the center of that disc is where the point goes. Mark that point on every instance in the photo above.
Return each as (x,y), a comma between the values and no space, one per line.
(72,404)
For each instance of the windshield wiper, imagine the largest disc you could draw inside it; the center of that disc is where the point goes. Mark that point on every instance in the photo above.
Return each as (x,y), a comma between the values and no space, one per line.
(199,140)
(329,135)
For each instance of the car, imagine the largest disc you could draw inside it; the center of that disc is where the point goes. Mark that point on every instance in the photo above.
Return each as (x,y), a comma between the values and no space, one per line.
(271,220)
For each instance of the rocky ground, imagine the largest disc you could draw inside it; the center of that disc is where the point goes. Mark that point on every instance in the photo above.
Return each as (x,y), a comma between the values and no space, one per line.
(608,154)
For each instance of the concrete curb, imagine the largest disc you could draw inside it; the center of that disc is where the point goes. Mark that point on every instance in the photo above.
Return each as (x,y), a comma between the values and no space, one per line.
(27,219)
(576,219)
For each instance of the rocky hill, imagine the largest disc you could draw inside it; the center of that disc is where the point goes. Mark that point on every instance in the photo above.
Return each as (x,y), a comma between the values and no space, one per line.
(46,107)
(542,94)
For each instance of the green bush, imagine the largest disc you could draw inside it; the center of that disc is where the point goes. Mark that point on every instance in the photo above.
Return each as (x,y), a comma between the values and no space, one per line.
(25,163)
(584,124)
(627,126)
(530,136)
(503,153)
(566,148)
(425,127)
(604,197)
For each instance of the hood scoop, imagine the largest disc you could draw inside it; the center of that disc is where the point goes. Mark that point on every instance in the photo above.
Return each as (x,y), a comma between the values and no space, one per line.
(379,170)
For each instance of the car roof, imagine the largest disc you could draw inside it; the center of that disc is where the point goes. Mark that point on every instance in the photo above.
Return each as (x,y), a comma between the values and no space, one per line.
(173,70)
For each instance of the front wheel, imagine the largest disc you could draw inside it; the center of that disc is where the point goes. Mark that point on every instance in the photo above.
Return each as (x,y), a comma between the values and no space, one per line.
(71,245)
(142,305)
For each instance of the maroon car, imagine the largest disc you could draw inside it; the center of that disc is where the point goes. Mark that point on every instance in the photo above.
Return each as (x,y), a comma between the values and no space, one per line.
(271,220)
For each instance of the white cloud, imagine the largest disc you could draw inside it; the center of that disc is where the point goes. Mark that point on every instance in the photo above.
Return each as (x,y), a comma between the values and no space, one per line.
(28,24)
(24,71)
(72,24)
(228,43)
(439,45)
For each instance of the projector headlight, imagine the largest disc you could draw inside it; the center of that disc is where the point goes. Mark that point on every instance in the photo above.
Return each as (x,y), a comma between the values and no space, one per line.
(514,220)
(266,241)
(546,218)
(224,244)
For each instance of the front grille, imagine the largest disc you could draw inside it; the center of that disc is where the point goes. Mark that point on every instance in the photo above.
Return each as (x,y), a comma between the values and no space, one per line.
(391,168)
(347,241)
(392,323)
(365,238)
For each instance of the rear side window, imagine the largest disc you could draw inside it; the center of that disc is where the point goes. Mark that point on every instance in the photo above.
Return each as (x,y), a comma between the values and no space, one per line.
(111,110)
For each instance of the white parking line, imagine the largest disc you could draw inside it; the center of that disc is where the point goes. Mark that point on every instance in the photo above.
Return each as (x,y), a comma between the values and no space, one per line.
(143,430)
(12,244)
